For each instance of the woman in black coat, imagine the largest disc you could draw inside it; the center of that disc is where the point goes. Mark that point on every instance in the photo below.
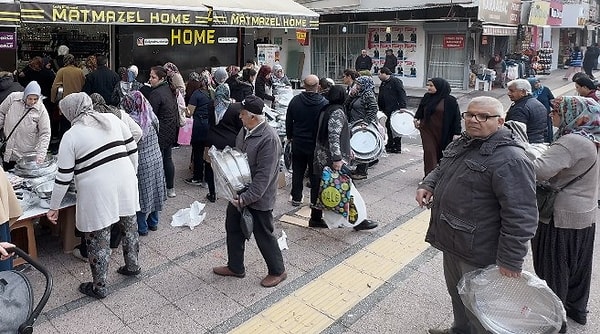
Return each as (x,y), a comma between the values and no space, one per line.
(263,79)
(243,87)
(164,105)
(438,119)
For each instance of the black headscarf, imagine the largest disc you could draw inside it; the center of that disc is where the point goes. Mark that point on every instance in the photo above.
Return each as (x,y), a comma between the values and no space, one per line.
(430,101)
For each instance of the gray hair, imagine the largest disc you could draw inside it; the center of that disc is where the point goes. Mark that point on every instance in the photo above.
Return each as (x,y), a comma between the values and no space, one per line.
(491,103)
(260,117)
(520,84)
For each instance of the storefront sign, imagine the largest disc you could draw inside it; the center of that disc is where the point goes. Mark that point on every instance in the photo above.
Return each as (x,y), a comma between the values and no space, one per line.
(192,36)
(556,13)
(302,36)
(538,14)
(192,15)
(500,11)
(8,40)
(141,41)
(227,40)
(91,14)
(10,14)
(575,15)
(454,41)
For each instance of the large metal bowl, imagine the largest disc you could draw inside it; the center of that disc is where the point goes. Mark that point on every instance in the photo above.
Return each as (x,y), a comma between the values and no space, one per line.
(44,190)
(29,161)
(230,167)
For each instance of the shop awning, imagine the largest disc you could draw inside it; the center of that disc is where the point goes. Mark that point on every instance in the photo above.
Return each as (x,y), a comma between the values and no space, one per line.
(496,30)
(9,13)
(230,13)
(146,12)
(262,14)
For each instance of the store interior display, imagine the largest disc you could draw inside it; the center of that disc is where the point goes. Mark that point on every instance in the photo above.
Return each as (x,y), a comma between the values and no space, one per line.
(544,61)
(44,40)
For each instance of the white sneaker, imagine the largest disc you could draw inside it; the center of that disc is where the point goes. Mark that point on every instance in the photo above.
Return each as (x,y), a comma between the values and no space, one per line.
(171,192)
(77,254)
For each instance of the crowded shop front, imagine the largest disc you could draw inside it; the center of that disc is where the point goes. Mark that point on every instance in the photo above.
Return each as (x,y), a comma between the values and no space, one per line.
(153,29)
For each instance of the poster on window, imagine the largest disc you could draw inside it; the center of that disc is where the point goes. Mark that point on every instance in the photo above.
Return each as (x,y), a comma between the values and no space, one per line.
(267,54)
(394,47)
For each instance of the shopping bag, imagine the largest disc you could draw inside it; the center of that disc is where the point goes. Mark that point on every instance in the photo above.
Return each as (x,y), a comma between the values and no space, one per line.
(185,132)
(357,212)
(334,192)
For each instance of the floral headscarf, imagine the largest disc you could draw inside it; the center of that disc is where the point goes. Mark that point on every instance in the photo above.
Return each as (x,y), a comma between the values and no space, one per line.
(194,76)
(171,68)
(99,104)
(78,108)
(363,84)
(578,115)
(139,108)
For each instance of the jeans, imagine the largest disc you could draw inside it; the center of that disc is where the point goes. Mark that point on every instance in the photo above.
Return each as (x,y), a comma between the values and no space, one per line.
(145,220)
(5,236)
(300,163)
(168,166)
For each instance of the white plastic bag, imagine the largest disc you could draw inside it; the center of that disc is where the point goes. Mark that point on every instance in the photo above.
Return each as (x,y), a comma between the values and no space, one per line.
(335,220)
(191,216)
(282,241)
(506,305)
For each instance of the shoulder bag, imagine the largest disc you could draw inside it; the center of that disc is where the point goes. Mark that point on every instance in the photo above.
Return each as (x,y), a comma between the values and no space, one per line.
(545,194)
(4,140)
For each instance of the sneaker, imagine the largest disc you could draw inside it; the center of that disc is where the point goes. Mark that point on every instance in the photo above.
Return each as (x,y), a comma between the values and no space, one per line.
(296,203)
(211,197)
(77,254)
(193,182)
(355,176)
(171,192)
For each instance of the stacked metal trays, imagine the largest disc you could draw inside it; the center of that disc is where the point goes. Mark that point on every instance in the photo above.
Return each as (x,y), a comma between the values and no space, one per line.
(231,169)
(28,167)
(366,142)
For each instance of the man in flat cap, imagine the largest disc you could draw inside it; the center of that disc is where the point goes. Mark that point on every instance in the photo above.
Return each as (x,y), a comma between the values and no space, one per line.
(261,144)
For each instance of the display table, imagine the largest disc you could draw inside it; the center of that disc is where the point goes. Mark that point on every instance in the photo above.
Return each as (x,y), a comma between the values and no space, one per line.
(65,227)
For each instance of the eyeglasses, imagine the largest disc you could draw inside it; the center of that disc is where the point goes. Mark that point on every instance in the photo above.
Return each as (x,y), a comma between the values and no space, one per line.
(479,117)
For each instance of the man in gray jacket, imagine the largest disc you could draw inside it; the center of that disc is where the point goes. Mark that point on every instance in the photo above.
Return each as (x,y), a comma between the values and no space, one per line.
(261,143)
(496,214)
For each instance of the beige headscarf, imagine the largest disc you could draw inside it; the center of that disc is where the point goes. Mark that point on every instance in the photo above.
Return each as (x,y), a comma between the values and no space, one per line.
(78,108)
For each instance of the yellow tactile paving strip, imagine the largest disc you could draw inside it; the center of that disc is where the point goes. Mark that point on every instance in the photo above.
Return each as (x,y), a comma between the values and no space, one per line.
(317,305)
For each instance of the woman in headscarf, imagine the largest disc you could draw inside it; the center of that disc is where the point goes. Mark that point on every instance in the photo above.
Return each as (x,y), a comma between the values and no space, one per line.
(126,85)
(24,118)
(174,78)
(191,86)
(545,96)
(222,94)
(361,106)
(263,81)
(438,119)
(99,153)
(151,178)
(200,106)
(164,106)
(564,243)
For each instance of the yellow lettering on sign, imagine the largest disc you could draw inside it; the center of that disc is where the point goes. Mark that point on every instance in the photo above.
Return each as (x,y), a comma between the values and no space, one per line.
(59,15)
(110,16)
(192,36)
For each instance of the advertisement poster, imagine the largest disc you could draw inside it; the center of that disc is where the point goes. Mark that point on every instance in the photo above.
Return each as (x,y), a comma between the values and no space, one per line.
(268,54)
(402,41)
(8,40)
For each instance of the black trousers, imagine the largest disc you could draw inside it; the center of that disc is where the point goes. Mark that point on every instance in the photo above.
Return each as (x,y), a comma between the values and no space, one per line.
(198,156)
(563,258)
(263,234)
(301,162)
(392,143)
(209,177)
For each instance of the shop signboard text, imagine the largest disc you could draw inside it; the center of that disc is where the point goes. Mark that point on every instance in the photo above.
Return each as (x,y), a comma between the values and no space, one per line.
(7,41)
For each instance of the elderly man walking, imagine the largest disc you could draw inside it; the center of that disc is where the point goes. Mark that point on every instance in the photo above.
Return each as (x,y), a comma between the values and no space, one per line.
(363,62)
(528,110)
(495,216)
(301,129)
(261,143)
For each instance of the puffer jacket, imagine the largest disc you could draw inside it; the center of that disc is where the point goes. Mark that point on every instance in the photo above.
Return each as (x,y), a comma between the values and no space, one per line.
(163,103)
(495,214)
(532,112)
(8,85)
(32,135)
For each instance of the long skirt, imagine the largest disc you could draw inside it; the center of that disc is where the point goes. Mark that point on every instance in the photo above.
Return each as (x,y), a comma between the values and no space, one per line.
(563,258)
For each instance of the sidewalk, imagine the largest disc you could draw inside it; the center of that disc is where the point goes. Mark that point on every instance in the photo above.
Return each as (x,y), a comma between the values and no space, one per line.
(339,281)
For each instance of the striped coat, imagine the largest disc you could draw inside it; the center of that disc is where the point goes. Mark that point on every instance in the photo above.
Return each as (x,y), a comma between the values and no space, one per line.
(103,164)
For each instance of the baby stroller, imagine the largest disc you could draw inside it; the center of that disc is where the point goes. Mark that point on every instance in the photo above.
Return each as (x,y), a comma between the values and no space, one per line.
(16,298)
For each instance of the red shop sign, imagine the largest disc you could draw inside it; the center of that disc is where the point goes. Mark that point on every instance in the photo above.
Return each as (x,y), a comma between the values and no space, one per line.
(454,41)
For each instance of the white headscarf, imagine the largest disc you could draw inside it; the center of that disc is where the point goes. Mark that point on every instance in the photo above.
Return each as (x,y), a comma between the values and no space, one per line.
(78,108)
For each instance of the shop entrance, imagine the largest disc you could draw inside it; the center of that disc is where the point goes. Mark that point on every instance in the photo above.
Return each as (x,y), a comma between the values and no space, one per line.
(447,63)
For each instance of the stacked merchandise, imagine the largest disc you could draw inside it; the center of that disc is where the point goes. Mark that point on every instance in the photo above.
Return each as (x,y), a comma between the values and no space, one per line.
(545,61)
